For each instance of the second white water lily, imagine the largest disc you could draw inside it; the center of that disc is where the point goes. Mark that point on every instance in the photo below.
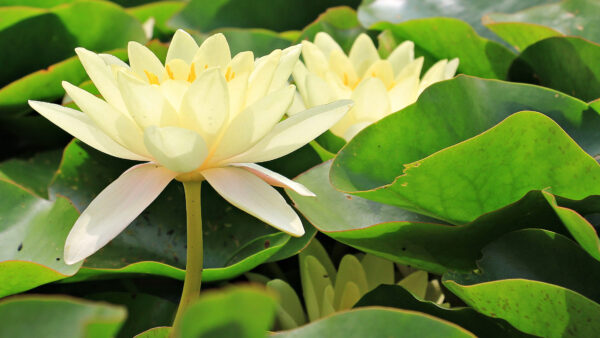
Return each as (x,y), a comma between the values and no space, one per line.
(377,86)
(202,116)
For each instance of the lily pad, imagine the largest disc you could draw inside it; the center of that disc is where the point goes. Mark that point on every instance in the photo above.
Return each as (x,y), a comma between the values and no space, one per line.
(568,64)
(33,174)
(378,322)
(540,282)
(206,15)
(447,38)
(398,297)
(372,11)
(154,243)
(68,26)
(520,35)
(471,107)
(33,236)
(58,316)
(570,17)
(410,238)
(161,12)
(340,23)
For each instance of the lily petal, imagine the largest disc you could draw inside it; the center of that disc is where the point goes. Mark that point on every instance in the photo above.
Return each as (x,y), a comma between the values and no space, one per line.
(314,59)
(363,53)
(253,123)
(181,150)
(317,90)
(326,44)
(143,61)
(294,132)
(274,178)
(402,56)
(251,194)
(404,93)
(433,75)
(119,126)
(82,127)
(262,76)
(289,58)
(146,103)
(451,68)
(102,76)
(371,100)
(213,52)
(205,105)
(239,69)
(183,46)
(114,208)
(342,67)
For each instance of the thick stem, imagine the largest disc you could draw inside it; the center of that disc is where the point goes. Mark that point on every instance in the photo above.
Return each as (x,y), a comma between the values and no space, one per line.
(193,269)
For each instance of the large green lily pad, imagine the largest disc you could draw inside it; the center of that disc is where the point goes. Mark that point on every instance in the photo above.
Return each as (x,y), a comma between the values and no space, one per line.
(378,322)
(570,17)
(471,106)
(372,11)
(410,238)
(206,15)
(447,38)
(68,26)
(568,64)
(33,237)
(58,316)
(340,23)
(398,297)
(540,282)
(34,173)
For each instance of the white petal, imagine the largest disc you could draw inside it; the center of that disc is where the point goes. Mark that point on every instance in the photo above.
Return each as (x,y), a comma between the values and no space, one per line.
(112,60)
(274,178)
(381,69)
(289,58)
(451,68)
(297,105)
(145,102)
(342,67)
(253,123)
(114,208)
(205,106)
(173,91)
(318,91)
(119,126)
(262,76)
(183,46)
(251,194)
(412,70)
(294,132)
(238,72)
(433,75)
(300,73)
(402,56)
(326,44)
(181,150)
(371,100)
(362,54)
(404,93)
(314,59)
(143,61)
(213,52)
(82,127)
(102,76)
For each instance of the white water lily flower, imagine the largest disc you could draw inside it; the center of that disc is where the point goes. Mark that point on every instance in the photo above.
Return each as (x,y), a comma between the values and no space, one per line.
(203,115)
(378,87)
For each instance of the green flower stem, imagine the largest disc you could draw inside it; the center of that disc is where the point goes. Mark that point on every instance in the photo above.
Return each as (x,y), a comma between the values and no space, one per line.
(193,269)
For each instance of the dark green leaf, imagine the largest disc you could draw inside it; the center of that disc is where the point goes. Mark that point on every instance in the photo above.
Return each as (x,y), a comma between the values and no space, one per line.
(33,174)
(568,64)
